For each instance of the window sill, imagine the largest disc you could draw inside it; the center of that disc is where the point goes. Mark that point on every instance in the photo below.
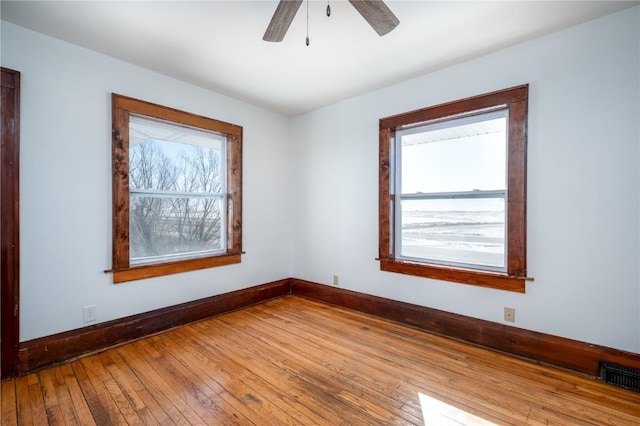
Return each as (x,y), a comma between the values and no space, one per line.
(159,269)
(465,276)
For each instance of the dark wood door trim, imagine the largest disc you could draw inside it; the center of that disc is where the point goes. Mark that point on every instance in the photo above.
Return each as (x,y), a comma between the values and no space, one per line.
(10,223)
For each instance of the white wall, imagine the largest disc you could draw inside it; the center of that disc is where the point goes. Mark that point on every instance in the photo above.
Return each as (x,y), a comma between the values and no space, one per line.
(583,185)
(65,195)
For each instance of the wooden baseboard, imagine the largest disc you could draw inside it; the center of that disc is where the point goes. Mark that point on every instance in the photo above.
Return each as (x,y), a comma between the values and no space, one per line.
(558,351)
(57,348)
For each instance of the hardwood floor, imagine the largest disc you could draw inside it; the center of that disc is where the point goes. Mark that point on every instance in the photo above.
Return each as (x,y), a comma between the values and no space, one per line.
(292,361)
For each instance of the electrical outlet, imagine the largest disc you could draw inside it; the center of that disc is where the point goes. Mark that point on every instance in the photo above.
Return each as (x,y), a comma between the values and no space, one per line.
(89,313)
(336,280)
(510,314)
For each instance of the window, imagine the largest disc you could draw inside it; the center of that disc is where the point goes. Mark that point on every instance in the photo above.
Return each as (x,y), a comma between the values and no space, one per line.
(177,191)
(453,191)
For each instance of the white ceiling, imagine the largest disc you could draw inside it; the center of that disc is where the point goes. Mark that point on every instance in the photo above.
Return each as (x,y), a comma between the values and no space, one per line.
(218,44)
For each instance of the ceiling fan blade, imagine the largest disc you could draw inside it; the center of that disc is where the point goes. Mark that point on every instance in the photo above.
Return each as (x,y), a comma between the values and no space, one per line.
(377,14)
(281,20)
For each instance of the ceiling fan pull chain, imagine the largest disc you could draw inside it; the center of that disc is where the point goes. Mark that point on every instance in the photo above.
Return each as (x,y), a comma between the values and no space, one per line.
(328,9)
(307,23)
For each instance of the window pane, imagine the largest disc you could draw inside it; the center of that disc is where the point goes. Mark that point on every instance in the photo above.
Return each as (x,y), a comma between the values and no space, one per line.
(458,231)
(168,157)
(163,226)
(465,156)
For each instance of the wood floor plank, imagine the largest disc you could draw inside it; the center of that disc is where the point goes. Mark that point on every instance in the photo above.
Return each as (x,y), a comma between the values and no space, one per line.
(351,406)
(550,382)
(556,391)
(103,409)
(236,394)
(201,398)
(336,331)
(294,361)
(313,397)
(204,395)
(166,396)
(402,365)
(36,398)
(67,410)
(130,391)
(507,387)
(150,411)
(105,385)
(351,366)
(242,382)
(8,404)
(25,416)
(53,408)
(79,404)
(385,397)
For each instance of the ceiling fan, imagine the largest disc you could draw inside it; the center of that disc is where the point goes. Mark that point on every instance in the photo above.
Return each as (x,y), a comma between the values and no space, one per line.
(375,12)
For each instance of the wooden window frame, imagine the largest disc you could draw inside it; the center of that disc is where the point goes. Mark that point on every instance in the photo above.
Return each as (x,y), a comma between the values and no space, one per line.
(515,99)
(122,107)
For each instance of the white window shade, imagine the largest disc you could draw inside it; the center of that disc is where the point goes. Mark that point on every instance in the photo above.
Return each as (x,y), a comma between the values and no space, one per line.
(145,128)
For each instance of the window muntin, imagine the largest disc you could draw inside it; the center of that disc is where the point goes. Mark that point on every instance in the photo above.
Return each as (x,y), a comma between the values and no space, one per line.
(217,145)
(177,191)
(438,194)
(451,191)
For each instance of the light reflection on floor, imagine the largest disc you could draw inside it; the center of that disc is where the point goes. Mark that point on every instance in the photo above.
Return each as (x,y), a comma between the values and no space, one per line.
(435,412)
